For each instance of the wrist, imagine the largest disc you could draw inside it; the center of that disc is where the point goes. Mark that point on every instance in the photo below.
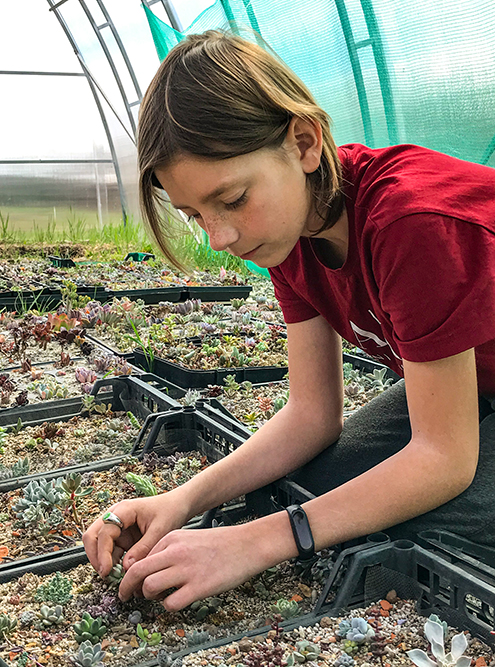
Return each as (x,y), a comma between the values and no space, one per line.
(273,538)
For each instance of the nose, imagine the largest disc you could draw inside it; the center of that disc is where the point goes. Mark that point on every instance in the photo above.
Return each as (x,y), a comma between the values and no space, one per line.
(221,234)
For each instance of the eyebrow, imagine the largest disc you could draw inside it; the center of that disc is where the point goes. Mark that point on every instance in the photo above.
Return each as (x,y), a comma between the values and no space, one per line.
(212,195)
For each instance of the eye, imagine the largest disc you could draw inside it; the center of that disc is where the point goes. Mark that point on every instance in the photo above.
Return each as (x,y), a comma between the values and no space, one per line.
(238,202)
(193,217)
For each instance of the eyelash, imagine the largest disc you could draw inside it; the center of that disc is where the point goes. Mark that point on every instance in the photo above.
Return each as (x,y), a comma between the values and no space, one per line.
(231,206)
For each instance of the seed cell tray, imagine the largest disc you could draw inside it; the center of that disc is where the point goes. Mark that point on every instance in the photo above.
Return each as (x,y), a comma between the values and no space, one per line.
(216,293)
(143,396)
(200,379)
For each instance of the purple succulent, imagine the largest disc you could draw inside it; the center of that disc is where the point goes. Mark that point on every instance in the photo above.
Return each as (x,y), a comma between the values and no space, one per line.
(250,342)
(85,376)
(86,388)
(107,608)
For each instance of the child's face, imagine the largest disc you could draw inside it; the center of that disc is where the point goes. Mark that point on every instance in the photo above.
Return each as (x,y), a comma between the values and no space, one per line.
(264,208)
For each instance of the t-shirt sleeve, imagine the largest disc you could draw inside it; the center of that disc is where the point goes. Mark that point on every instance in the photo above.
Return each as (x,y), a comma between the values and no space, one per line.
(294,307)
(436,280)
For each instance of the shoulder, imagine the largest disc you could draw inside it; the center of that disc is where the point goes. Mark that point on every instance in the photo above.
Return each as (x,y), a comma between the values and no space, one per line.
(397,181)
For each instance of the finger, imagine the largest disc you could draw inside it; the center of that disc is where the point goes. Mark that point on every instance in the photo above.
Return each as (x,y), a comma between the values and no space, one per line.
(141,569)
(155,584)
(106,539)
(108,534)
(181,598)
(145,546)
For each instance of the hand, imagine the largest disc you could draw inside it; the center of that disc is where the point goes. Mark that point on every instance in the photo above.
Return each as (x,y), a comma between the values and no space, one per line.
(146,521)
(199,563)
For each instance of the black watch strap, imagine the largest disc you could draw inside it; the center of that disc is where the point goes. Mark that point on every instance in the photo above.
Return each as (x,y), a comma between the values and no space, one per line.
(301,531)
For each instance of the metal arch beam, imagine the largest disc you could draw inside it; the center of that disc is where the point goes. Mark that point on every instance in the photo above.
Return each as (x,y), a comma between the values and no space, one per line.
(120,44)
(29,73)
(65,28)
(113,67)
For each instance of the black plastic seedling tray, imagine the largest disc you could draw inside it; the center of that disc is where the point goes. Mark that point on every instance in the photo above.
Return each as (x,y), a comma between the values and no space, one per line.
(183,429)
(194,379)
(216,293)
(368,365)
(151,295)
(142,396)
(361,575)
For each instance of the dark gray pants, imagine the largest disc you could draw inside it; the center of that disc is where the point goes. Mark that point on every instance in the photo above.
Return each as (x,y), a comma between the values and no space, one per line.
(382,428)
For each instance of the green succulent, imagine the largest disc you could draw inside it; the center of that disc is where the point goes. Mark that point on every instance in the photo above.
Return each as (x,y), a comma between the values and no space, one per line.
(7,625)
(134,421)
(50,615)
(147,637)
(116,575)
(57,589)
(305,651)
(286,608)
(88,655)
(143,484)
(21,467)
(196,638)
(205,607)
(351,647)
(89,629)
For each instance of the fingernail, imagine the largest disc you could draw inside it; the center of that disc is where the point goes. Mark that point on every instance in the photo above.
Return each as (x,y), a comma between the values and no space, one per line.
(131,562)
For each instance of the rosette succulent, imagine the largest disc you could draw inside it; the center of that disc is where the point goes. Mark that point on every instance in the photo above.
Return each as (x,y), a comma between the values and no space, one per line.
(89,629)
(50,615)
(434,632)
(88,655)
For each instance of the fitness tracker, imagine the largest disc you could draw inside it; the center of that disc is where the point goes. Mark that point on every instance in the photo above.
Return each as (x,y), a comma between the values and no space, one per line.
(301,531)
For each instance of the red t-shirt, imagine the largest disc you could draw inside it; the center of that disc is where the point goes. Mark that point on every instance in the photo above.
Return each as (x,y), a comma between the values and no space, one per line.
(419,279)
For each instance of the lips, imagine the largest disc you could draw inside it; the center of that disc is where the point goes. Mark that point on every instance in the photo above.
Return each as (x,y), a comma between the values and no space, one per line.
(250,254)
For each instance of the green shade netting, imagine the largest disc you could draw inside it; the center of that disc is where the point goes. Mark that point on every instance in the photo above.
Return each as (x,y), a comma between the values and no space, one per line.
(406,71)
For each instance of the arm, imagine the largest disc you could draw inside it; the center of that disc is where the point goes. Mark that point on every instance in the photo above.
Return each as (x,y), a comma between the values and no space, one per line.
(309,422)
(437,465)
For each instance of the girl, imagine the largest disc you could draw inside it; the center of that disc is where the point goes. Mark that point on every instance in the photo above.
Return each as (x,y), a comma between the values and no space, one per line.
(393,249)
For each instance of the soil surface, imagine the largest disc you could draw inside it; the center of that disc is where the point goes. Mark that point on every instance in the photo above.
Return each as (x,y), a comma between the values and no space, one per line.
(56,445)
(18,540)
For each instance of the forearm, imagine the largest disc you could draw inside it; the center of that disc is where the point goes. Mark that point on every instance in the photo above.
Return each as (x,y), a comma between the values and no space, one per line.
(281,445)
(413,481)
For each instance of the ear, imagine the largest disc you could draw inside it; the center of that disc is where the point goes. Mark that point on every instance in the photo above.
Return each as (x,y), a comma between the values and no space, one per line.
(304,138)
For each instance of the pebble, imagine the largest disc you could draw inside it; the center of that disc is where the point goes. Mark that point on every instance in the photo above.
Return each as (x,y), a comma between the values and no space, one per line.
(326,622)
(245,645)
(391,596)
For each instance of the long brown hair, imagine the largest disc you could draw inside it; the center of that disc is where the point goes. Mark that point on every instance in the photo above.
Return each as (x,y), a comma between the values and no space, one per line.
(217,95)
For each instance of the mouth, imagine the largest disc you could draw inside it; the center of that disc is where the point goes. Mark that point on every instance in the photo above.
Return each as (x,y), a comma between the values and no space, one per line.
(250,254)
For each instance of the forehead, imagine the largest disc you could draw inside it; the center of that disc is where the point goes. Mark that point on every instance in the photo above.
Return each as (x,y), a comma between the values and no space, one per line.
(190,179)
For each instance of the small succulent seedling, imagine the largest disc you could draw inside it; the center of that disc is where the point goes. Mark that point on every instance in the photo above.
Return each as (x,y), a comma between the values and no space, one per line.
(89,629)
(57,589)
(134,421)
(434,632)
(205,607)
(116,575)
(305,652)
(88,655)
(147,637)
(50,615)
(286,608)
(7,625)
(196,638)
(143,484)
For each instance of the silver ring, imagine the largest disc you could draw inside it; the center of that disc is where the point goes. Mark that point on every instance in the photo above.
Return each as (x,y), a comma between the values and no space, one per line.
(110,517)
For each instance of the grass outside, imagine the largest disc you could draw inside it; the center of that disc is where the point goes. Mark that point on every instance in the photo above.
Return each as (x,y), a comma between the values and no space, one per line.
(79,236)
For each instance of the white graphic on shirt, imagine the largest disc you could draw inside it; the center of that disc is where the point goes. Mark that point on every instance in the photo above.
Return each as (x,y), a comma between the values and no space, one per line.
(362,336)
